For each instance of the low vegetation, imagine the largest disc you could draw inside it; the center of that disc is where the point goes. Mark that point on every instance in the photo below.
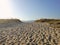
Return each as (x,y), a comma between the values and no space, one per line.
(9,20)
(53,22)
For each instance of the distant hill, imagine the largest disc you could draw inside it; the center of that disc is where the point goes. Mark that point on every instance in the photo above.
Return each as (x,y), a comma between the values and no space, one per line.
(9,20)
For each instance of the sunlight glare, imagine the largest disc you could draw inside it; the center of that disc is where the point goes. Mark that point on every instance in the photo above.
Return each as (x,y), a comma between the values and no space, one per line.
(5,9)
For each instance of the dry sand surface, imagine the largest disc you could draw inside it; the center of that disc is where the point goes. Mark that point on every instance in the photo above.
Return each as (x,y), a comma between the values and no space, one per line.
(29,34)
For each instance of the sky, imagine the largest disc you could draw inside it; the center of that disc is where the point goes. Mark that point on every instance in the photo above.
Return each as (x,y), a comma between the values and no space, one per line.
(29,9)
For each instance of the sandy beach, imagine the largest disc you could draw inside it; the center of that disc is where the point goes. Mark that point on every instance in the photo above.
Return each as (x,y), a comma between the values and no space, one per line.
(29,34)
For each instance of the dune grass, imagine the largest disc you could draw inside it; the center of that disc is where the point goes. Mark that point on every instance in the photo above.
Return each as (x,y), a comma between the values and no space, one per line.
(9,20)
(53,22)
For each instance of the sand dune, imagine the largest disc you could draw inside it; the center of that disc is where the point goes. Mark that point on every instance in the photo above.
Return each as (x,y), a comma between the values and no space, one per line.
(29,34)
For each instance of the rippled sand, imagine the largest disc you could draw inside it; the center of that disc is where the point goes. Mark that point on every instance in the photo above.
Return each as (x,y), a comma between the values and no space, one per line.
(29,34)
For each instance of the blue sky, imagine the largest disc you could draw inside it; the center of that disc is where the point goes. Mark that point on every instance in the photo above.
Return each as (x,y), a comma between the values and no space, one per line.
(34,9)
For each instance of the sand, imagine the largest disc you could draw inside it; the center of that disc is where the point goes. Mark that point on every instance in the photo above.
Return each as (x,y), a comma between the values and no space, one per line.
(29,34)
